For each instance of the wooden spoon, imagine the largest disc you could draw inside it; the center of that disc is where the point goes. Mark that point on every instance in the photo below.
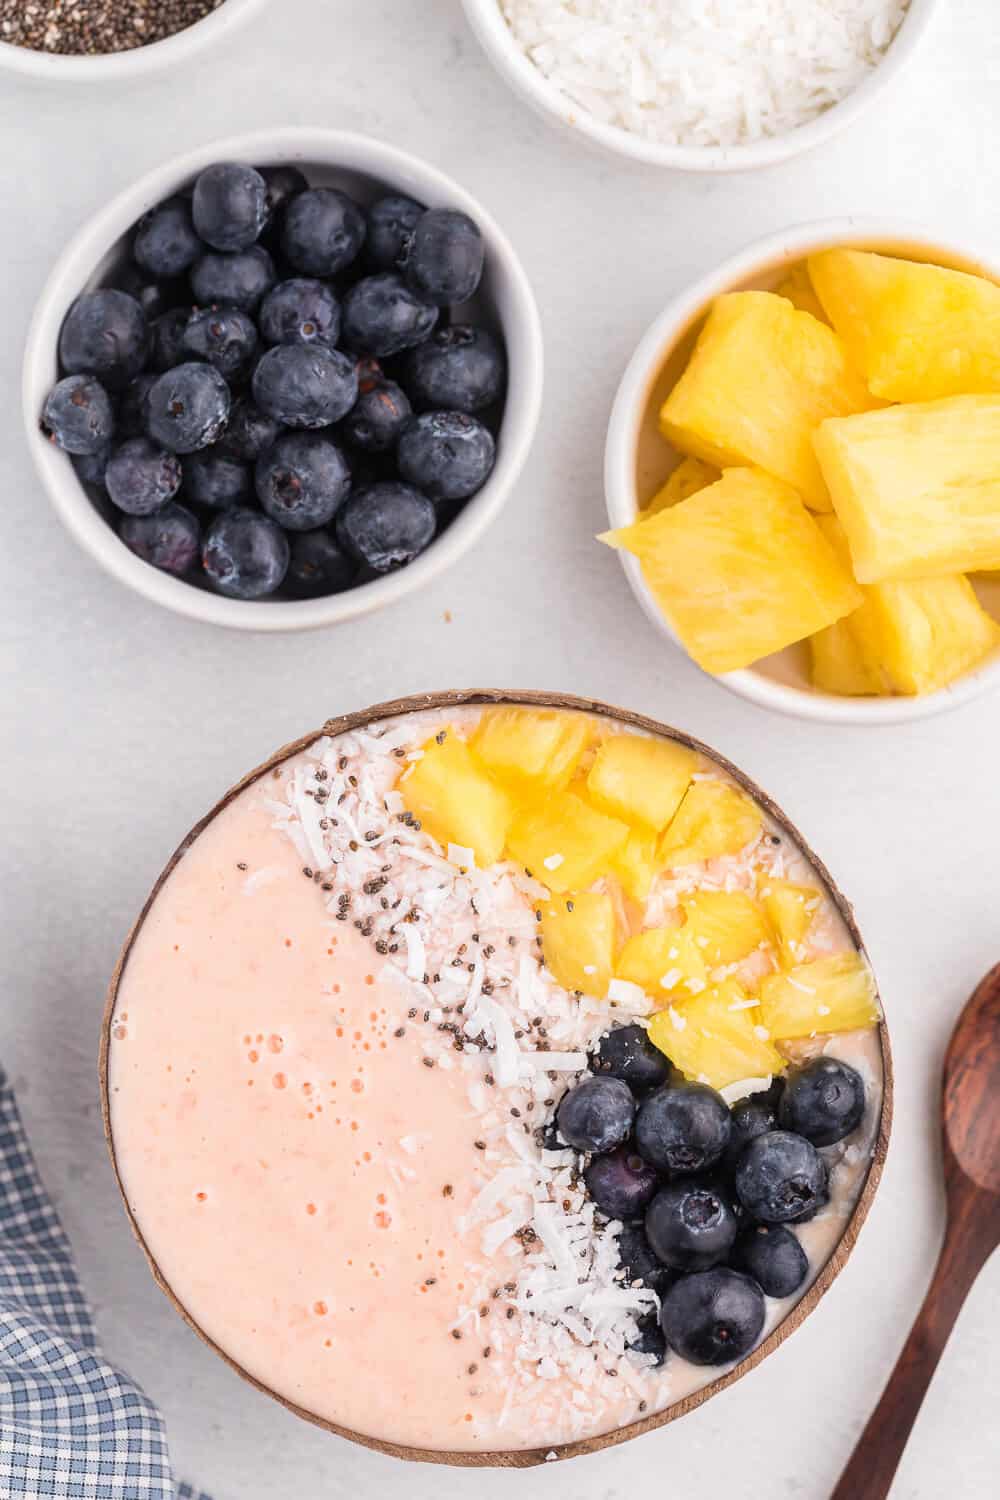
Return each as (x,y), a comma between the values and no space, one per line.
(970,1111)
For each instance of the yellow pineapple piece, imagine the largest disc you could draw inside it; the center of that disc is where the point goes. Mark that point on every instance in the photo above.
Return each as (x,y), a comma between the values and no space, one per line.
(714,819)
(640,780)
(578,941)
(531,749)
(828,995)
(455,800)
(636,866)
(717,1037)
(663,960)
(690,476)
(565,842)
(761,379)
(916,332)
(790,909)
(726,925)
(917,488)
(801,293)
(740,570)
(837,665)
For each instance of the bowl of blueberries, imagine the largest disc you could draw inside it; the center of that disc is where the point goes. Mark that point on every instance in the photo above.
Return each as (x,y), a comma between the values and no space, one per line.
(283,380)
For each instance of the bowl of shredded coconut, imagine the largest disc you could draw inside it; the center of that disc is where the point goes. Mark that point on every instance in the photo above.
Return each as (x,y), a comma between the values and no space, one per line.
(700,85)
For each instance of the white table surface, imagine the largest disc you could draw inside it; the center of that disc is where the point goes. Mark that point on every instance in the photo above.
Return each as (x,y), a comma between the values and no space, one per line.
(122,724)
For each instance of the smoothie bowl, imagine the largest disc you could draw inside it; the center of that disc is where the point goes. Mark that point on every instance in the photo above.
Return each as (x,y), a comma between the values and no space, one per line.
(507,1053)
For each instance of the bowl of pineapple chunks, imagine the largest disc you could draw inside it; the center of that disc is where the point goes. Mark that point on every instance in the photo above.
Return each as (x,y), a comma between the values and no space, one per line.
(803,473)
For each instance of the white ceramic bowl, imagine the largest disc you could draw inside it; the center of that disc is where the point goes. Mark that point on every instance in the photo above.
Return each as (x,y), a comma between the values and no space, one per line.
(638,459)
(364,167)
(528,81)
(111,66)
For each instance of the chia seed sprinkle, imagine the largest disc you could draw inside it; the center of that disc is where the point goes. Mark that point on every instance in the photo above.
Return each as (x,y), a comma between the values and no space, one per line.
(93,27)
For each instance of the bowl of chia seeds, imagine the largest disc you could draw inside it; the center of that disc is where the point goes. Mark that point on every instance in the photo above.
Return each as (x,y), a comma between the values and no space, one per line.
(88,40)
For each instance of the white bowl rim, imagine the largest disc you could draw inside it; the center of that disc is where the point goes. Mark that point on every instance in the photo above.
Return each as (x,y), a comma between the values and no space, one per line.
(626,419)
(526,80)
(355,153)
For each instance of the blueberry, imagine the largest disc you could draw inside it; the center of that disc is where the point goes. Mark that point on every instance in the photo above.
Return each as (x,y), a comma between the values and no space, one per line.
(377,418)
(772,1255)
(224,337)
(682,1129)
(620,1183)
(132,407)
(446,454)
(382,316)
(640,1265)
(691,1224)
(300,311)
(650,1340)
(104,334)
(713,1317)
(167,339)
(239,280)
(628,1054)
(597,1114)
(751,1117)
(323,232)
(302,480)
(78,416)
(187,408)
(165,243)
(302,385)
(245,554)
(249,433)
(229,207)
(458,369)
(169,539)
(318,566)
(216,479)
(386,525)
(781,1178)
(444,256)
(141,478)
(92,467)
(282,185)
(391,221)
(824,1100)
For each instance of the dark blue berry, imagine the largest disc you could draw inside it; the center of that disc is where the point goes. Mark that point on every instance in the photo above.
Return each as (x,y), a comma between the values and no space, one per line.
(751,1117)
(141,478)
(377,418)
(824,1100)
(386,525)
(78,415)
(691,1224)
(628,1054)
(713,1317)
(772,1255)
(132,407)
(104,334)
(597,1114)
(318,566)
(781,1178)
(682,1129)
(91,467)
(300,311)
(323,232)
(391,221)
(169,539)
(382,316)
(649,1339)
(249,432)
(229,206)
(620,1183)
(166,244)
(245,555)
(239,280)
(303,385)
(444,256)
(187,408)
(216,479)
(282,184)
(446,454)
(167,339)
(302,480)
(458,369)
(640,1266)
(223,336)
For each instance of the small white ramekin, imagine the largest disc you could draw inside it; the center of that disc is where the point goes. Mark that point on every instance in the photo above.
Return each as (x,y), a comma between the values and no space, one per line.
(779,683)
(327,156)
(530,83)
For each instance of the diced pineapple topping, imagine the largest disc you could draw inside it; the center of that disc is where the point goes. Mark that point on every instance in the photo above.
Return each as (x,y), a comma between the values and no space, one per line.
(531,748)
(690,476)
(636,866)
(578,941)
(455,800)
(828,995)
(714,819)
(725,925)
(640,780)
(565,843)
(717,1037)
(801,293)
(790,909)
(663,960)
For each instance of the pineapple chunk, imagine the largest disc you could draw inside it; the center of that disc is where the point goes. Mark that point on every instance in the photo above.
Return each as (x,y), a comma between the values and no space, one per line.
(531,748)
(837,664)
(456,801)
(636,866)
(801,293)
(717,1038)
(663,959)
(578,941)
(790,909)
(916,332)
(726,925)
(828,995)
(690,476)
(917,488)
(640,780)
(714,819)
(762,377)
(740,570)
(565,843)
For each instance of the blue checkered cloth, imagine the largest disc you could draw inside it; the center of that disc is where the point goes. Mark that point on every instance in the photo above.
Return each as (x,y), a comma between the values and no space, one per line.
(71,1427)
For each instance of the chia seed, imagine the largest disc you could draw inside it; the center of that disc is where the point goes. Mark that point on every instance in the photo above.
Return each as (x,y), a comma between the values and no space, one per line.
(93,27)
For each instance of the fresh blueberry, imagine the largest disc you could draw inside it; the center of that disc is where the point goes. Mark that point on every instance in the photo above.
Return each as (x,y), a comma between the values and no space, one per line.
(229,207)
(302,480)
(446,454)
(169,539)
(216,479)
(628,1054)
(141,478)
(223,336)
(382,316)
(458,369)
(282,184)
(249,433)
(682,1129)
(444,256)
(318,566)
(245,555)
(300,311)
(104,334)
(238,280)
(386,525)
(154,297)
(824,1100)
(781,1178)
(187,408)
(377,418)
(165,243)
(167,339)
(303,385)
(620,1183)
(691,1224)
(640,1265)
(92,467)
(650,1340)
(597,1114)
(772,1255)
(751,1117)
(391,221)
(713,1317)
(78,416)
(323,232)
(132,406)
